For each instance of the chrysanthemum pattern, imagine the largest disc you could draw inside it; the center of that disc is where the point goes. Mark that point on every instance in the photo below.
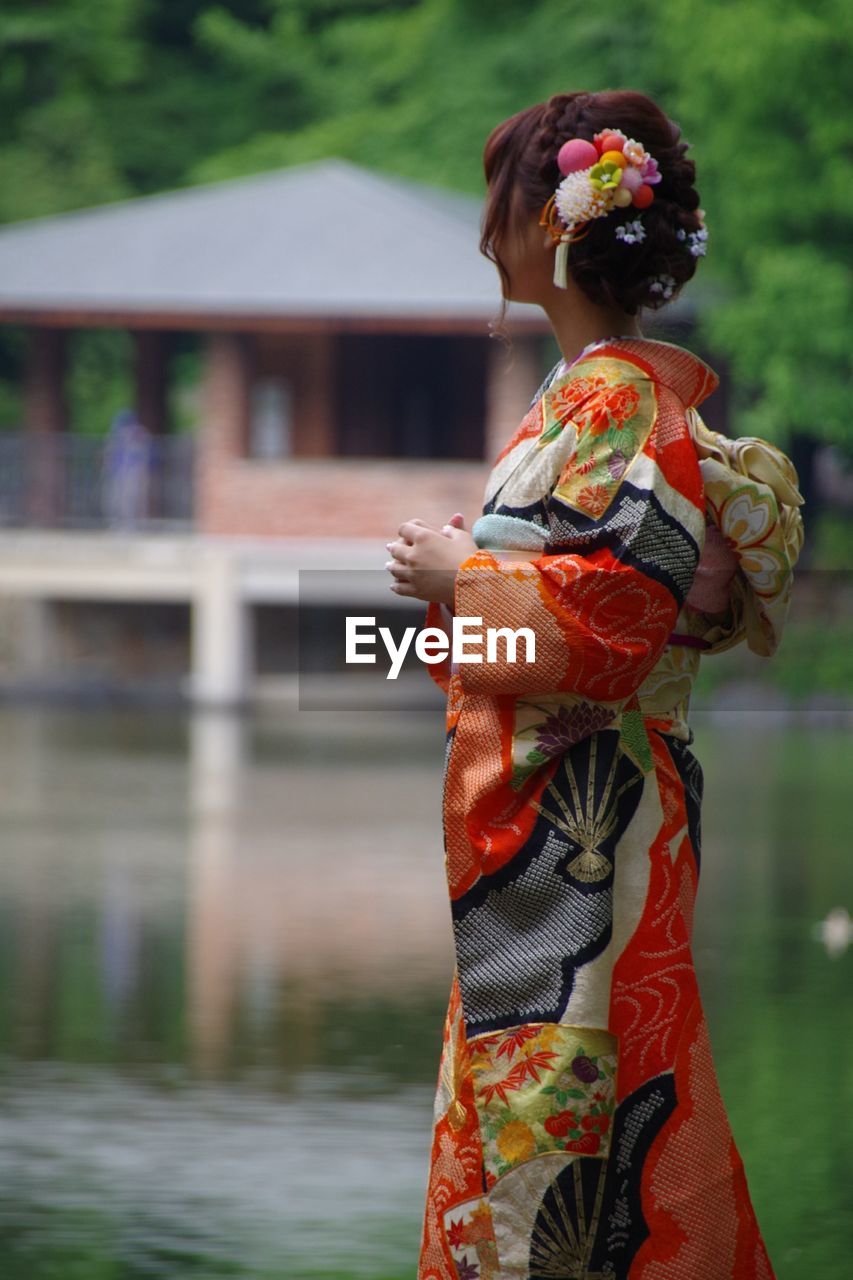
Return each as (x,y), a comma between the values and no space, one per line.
(548,727)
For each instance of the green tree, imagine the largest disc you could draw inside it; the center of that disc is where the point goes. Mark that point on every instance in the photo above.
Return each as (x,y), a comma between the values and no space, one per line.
(764,91)
(57,61)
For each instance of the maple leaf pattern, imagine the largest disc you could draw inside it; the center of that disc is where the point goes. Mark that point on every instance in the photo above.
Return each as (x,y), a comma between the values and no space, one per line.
(515,1039)
(467,1270)
(456,1233)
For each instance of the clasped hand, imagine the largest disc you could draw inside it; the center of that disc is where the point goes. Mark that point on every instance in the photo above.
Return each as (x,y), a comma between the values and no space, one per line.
(425,558)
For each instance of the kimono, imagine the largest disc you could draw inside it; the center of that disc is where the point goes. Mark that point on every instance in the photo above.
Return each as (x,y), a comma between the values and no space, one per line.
(579,1131)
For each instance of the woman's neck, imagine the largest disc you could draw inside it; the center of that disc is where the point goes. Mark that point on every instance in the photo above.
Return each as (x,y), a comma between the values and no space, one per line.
(576,327)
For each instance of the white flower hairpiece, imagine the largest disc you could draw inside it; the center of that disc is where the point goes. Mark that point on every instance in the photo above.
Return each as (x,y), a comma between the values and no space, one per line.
(631,232)
(695,240)
(663,284)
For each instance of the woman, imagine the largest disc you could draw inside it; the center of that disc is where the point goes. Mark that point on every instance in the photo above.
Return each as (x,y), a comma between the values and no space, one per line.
(579,1129)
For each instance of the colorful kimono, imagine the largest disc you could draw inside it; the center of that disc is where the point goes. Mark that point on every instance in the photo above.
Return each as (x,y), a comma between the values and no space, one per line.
(579,1131)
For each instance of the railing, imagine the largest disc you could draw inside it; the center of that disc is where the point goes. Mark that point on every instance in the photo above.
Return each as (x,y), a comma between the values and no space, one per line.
(72,481)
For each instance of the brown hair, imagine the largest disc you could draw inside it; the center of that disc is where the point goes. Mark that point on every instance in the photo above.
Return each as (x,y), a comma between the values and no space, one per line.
(520,165)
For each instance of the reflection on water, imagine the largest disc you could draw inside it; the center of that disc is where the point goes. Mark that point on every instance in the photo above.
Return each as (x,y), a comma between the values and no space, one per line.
(240,1180)
(225,954)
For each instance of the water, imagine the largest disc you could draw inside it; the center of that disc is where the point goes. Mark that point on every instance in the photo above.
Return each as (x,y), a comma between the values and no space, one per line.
(225,955)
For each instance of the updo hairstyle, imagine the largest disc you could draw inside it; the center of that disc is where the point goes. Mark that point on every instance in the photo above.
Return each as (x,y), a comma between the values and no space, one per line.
(520,165)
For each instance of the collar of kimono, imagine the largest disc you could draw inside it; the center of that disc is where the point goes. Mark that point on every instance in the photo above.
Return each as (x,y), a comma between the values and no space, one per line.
(690,378)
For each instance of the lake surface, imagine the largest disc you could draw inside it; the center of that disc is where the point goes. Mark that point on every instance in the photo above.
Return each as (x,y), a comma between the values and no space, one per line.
(225,955)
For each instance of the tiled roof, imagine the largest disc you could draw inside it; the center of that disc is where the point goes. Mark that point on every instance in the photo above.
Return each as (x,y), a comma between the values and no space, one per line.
(325,239)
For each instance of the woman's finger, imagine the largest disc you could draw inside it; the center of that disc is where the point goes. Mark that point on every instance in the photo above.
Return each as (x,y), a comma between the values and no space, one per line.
(407,531)
(400,551)
(399,571)
(404,536)
(411,530)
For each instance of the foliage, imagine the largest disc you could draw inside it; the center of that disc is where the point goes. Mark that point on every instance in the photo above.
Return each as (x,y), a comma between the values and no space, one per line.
(764,91)
(113,98)
(99,378)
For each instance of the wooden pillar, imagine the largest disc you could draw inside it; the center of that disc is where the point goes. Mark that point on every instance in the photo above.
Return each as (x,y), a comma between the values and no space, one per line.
(45,405)
(151,379)
(45,421)
(512,380)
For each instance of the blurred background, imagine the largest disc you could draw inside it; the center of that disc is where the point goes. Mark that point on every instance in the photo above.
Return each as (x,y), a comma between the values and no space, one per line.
(244,333)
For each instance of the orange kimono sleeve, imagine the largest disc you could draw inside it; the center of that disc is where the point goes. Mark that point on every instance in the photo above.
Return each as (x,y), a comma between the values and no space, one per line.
(625,527)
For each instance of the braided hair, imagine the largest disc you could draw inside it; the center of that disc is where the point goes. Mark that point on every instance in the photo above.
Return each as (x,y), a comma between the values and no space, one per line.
(520,165)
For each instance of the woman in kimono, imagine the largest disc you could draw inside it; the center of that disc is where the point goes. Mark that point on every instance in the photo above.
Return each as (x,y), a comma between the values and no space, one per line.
(579,1131)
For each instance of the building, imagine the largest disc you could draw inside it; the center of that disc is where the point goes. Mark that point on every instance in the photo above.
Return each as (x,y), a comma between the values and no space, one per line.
(350,382)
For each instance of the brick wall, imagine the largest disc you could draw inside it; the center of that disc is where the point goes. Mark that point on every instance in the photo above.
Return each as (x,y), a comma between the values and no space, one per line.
(318,497)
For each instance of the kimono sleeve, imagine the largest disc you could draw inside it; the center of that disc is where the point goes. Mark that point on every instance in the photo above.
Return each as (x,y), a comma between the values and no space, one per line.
(625,524)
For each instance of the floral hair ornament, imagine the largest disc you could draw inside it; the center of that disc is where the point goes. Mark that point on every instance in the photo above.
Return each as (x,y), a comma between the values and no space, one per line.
(663,284)
(695,240)
(611,172)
